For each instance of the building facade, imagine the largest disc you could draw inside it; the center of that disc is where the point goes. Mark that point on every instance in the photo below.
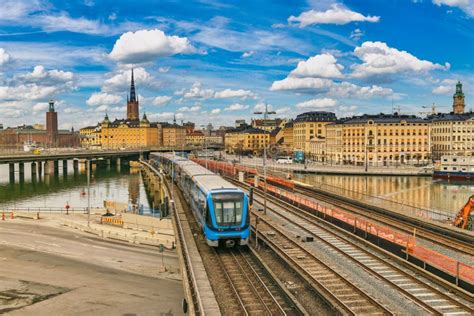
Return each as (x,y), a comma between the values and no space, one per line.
(51,137)
(452,133)
(174,135)
(131,132)
(247,141)
(195,138)
(309,125)
(378,140)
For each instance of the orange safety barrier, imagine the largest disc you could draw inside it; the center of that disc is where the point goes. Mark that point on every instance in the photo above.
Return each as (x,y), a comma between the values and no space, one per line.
(431,257)
(111,220)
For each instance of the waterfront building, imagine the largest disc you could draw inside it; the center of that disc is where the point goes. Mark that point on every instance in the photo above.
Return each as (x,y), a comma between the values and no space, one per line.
(174,135)
(378,140)
(195,138)
(287,142)
(308,125)
(51,137)
(250,140)
(214,140)
(189,126)
(124,133)
(452,133)
(268,124)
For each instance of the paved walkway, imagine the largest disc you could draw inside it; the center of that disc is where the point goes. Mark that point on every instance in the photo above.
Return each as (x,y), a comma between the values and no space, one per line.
(405,170)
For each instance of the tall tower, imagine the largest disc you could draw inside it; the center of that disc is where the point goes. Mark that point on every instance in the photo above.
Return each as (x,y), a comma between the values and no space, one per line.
(458,99)
(132,102)
(52,125)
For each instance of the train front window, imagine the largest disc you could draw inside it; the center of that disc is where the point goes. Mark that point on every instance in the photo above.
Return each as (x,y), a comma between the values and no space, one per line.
(228,208)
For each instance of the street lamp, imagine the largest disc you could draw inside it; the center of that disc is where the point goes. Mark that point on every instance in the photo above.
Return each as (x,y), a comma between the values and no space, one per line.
(265,116)
(205,145)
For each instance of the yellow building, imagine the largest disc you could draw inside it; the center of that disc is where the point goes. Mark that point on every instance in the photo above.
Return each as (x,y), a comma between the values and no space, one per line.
(378,140)
(123,133)
(308,125)
(250,140)
(174,135)
(453,133)
(195,138)
(288,143)
(90,137)
(129,133)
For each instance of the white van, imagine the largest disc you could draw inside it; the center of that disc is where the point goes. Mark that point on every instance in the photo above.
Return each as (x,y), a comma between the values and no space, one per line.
(284,160)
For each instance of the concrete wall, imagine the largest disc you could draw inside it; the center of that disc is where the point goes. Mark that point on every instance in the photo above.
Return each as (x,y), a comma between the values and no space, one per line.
(148,223)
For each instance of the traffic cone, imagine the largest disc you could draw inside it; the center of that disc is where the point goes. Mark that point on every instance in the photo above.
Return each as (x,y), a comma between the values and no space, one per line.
(3,216)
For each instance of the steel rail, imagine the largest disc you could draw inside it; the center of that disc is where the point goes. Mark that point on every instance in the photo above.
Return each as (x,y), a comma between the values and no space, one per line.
(356,291)
(315,221)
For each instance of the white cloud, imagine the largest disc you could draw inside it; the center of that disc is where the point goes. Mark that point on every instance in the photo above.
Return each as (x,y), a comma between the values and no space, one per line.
(291,83)
(41,75)
(260,107)
(196,91)
(161,100)
(120,81)
(322,66)
(228,93)
(282,110)
(379,59)
(64,22)
(337,14)
(356,34)
(165,116)
(16,9)
(447,87)
(102,98)
(72,110)
(195,108)
(41,106)
(350,90)
(248,54)
(317,104)
(102,108)
(236,107)
(164,69)
(147,45)
(4,57)
(216,111)
(29,92)
(465,5)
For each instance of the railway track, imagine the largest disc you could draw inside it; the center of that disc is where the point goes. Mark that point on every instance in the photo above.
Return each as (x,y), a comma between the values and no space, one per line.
(339,242)
(419,292)
(240,282)
(255,292)
(342,294)
(461,246)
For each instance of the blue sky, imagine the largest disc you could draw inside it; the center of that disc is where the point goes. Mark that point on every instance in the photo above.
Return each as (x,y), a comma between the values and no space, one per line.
(216,61)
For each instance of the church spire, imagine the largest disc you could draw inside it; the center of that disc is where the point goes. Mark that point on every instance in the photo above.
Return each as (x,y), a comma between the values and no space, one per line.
(132,89)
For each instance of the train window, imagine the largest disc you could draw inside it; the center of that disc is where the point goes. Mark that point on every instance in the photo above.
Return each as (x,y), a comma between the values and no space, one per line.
(228,208)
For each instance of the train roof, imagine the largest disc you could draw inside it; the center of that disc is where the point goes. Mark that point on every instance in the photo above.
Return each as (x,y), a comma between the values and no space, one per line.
(193,169)
(170,156)
(213,182)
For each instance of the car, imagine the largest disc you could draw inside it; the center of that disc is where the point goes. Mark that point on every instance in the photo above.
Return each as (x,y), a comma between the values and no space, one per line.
(284,160)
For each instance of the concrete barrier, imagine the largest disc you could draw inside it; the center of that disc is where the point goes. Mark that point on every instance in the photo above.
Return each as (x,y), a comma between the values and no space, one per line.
(148,223)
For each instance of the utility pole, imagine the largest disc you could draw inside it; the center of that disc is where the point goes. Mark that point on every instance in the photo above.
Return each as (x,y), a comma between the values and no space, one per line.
(265,116)
(88,193)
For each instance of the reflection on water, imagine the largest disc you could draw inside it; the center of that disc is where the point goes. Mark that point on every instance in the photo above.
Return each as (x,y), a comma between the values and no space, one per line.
(107,183)
(421,192)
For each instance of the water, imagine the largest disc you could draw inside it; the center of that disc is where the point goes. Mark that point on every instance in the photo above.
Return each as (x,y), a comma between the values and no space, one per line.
(422,192)
(107,183)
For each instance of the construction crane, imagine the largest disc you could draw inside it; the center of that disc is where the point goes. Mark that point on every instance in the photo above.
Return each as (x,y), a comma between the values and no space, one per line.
(427,113)
(465,217)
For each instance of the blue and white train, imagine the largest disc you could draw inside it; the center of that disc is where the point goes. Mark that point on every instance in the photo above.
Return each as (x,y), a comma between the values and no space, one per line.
(220,208)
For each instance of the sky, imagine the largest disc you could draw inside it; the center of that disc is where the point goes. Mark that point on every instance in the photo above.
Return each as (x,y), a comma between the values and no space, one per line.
(211,61)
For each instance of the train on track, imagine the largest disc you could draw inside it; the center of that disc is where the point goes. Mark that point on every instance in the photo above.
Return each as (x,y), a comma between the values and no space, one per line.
(220,208)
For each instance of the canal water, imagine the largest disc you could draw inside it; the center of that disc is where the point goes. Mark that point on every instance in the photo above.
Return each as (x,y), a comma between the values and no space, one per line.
(420,192)
(107,183)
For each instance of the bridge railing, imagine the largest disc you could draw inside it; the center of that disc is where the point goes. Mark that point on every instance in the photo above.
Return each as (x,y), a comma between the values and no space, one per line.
(76,210)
